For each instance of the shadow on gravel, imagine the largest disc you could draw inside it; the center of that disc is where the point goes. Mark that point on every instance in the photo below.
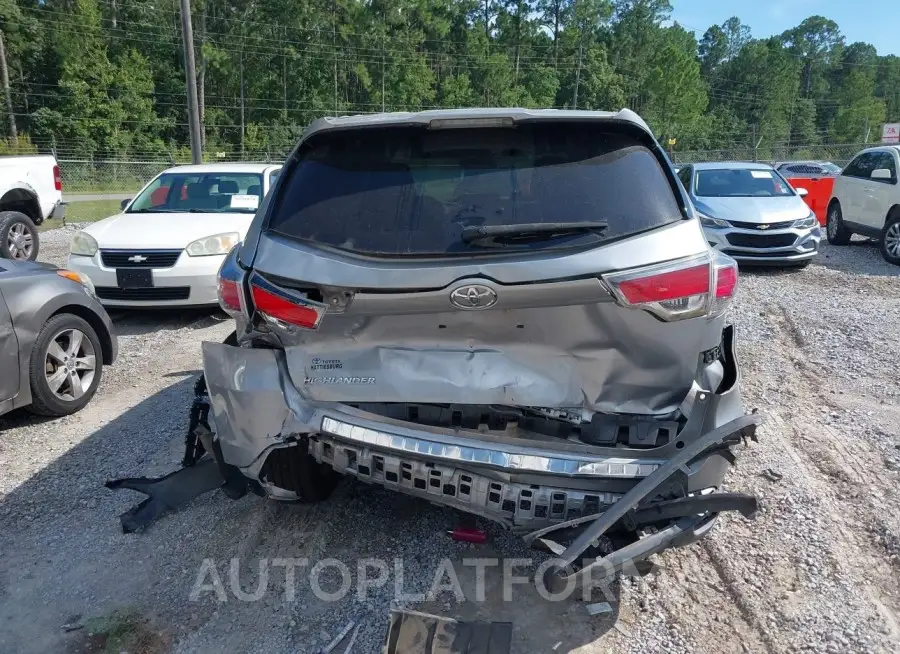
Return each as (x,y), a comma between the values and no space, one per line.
(136,322)
(64,559)
(22,418)
(183,373)
(369,523)
(64,563)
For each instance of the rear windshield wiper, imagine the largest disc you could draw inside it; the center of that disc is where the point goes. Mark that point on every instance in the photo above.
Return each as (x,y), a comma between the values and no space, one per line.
(501,235)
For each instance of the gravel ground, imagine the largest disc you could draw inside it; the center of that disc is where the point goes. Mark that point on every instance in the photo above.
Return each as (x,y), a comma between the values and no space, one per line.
(818,570)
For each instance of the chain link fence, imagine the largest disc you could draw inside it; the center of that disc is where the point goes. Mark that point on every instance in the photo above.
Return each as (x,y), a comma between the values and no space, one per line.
(110,176)
(98,177)
(838,154)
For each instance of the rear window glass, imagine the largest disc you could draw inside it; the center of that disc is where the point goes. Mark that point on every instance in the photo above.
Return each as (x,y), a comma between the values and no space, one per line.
(740,183)
(411,191)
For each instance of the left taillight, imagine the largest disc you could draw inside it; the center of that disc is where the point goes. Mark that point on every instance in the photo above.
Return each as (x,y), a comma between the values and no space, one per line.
(229,282)
(284,307)
(230,296)
(57,178)
(680,289)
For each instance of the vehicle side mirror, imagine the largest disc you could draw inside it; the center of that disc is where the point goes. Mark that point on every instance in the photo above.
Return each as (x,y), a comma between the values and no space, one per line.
(125,203)
(881,173)
(802,192)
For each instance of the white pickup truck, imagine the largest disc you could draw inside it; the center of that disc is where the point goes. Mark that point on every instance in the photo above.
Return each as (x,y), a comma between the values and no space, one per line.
(30,192)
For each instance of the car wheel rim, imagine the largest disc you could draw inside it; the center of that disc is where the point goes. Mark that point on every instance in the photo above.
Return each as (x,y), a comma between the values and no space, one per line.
(70,365)
(20,242)
(892,240)
(832,223)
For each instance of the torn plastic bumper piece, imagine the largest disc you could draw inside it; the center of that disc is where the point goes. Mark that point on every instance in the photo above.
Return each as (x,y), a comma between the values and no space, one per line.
(167,493)
(684,530)
(203,470)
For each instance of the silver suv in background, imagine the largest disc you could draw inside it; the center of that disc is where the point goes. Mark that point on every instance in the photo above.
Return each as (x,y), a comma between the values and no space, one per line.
(511,312)
(750,212)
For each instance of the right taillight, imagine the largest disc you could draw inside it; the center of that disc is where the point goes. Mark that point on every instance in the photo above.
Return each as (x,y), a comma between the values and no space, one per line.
(284,307)
(725,281)
(57,178)
(677,290)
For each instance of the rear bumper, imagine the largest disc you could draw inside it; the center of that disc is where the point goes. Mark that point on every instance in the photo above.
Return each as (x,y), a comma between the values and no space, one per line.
(517,479)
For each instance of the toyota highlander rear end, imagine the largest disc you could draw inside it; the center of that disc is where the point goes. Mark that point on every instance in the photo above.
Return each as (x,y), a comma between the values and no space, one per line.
(511,312)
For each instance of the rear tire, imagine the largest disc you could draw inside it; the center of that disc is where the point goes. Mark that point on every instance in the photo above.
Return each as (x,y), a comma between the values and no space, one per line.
(63,339)
(837,233)
(19,238)
(890,239)
(294,469)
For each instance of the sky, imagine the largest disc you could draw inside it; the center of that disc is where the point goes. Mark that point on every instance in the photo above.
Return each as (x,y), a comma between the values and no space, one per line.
(872,21)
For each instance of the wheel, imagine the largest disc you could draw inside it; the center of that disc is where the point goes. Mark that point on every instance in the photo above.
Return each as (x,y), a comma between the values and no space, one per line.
(834,226)
(294,469)
(890,239)
(66,366)
(18,236)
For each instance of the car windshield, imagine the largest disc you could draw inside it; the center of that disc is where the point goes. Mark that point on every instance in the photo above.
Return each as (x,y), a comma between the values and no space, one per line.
(412,191)
(740,182)
(219,192)
(832,168)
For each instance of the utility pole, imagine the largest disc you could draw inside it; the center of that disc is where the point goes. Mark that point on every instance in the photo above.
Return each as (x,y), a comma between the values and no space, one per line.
(755,144)
(577,79)
(6,92)
(190,73)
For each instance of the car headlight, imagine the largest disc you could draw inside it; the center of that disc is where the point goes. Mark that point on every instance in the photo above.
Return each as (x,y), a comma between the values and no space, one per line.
(209,245)
(806,223)
(83,245)
(714,223)
(82,279)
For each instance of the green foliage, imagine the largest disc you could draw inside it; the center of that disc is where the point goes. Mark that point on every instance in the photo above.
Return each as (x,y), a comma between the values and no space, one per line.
(104,79)
(20,145)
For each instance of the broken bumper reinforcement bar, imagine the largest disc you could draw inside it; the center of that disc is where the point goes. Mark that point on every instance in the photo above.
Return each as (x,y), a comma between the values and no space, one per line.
(563,572)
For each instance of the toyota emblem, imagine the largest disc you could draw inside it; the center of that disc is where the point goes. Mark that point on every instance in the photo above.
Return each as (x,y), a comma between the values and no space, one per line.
(473,296)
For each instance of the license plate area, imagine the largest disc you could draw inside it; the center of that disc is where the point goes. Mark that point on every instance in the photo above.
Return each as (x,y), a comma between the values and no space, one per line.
(134,278)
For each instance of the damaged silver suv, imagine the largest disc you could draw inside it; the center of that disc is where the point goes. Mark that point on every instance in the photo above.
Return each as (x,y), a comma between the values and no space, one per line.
(511,312)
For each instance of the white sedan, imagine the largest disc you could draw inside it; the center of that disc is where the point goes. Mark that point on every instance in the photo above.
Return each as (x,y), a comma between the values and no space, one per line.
(166,246)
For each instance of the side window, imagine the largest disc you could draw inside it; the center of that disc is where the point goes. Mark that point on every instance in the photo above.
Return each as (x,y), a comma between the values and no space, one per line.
(852,168)
(886,160)
(862,166)
(685,176)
